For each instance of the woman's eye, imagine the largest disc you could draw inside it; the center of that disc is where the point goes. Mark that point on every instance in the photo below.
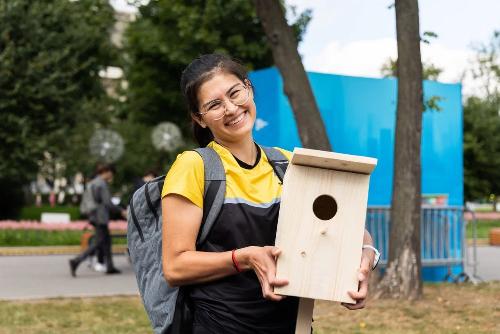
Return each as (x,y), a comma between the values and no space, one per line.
(214,106)
(235,93)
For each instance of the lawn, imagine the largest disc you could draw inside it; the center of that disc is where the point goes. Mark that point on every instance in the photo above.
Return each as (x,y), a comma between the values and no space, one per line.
(16,238)
(445,308)
(483,228)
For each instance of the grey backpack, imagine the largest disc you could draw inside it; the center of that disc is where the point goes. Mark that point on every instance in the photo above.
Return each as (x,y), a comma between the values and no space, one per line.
(88,204)
(168,307)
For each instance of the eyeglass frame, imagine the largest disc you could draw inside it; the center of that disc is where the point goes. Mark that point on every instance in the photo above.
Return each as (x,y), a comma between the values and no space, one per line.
(246,86)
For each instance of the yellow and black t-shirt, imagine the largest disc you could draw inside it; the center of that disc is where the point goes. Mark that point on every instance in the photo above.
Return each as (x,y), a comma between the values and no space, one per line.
(248,217)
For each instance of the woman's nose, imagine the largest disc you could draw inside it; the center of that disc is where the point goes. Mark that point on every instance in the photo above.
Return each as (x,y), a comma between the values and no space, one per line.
(230,107)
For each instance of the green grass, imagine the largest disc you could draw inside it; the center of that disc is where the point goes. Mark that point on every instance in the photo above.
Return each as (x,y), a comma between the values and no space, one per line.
(483,228)
(14,238)
(444,308)
(35,212)
(110,315)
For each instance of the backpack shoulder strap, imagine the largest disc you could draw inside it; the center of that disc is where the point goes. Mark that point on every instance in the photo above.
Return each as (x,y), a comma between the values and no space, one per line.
(278,161)
(214,190)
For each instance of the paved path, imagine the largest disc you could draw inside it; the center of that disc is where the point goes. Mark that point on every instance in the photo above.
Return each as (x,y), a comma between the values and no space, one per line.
(47,276)
(488,267)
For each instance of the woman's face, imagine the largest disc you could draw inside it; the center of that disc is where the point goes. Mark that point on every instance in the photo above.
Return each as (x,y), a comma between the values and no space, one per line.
(237,122)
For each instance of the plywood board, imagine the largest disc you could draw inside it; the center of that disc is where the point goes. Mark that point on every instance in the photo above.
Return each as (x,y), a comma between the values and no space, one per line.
(331,160)
(320,258)
(304,316)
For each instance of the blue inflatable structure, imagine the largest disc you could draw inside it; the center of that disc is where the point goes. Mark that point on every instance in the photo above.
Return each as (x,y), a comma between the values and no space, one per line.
(360,117)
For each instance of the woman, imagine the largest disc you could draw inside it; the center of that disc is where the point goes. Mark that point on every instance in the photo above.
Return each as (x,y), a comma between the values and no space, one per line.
(232,275)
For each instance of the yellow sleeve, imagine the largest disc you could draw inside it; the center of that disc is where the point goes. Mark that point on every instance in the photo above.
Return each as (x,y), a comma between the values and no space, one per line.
(186,178)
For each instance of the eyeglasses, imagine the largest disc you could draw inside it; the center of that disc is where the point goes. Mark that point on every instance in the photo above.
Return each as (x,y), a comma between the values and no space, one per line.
(237,95)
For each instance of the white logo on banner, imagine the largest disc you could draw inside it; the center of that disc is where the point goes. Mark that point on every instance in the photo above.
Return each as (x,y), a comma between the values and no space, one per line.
(260,123)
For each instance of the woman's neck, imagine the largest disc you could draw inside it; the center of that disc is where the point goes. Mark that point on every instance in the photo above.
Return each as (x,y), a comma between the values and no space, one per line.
(244,150)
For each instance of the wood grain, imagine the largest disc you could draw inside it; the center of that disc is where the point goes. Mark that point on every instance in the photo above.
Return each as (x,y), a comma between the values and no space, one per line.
(304,316)
(320,258)
(331,160)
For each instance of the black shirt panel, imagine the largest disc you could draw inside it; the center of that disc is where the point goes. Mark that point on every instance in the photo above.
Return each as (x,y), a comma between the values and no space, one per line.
(247,166)
(234,304)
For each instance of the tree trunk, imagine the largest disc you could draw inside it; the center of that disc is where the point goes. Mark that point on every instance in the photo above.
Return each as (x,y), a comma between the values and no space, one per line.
(402,279)
(283,43)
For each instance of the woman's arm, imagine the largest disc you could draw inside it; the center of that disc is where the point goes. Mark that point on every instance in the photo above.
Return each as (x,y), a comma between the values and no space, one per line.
(182,264)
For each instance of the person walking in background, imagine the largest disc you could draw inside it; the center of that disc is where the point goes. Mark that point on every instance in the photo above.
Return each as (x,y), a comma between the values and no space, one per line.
(146,177)
(99,218)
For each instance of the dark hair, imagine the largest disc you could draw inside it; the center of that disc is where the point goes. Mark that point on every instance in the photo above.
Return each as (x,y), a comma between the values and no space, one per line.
(103,168)
(151,172)
(198,72)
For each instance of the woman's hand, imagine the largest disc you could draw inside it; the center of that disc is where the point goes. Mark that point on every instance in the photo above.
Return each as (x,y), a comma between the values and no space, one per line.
(263,261)
(359,296)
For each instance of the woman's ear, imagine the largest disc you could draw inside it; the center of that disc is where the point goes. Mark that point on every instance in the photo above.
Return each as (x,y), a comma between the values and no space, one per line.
(198,120)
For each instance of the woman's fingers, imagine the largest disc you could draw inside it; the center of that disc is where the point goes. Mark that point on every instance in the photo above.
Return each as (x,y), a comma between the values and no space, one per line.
(265,268)
(357,306)
(275,252)
(362,293)
(267,292)
(279,282)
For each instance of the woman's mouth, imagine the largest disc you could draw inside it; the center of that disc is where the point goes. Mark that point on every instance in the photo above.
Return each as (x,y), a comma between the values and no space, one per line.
(238,119)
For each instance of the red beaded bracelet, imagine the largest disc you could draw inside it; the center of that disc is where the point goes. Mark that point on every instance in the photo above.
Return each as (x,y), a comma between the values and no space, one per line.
(235,262)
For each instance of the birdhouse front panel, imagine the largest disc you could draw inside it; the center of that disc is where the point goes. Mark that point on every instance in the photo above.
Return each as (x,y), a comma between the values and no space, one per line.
(321,224)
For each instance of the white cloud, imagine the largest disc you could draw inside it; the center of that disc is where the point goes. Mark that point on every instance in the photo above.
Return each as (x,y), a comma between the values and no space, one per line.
(358,58)
(365,58)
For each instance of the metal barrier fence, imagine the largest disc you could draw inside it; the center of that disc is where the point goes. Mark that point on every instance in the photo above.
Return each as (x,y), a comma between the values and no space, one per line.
(443,237)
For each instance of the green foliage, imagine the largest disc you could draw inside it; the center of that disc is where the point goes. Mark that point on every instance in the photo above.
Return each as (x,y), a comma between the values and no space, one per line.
(487,66)
(432,103)
(51,96)
(429,70)
(35,212)
(481,147)
(31,238)
(427,36)
(16,238)
(139,157)
(483,228)
(482,126)
(50,55)
(169,34)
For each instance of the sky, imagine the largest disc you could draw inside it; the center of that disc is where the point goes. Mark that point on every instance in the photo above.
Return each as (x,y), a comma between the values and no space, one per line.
(356,37)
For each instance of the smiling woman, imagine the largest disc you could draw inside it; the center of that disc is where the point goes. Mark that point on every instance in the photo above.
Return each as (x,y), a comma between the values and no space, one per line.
(232,273)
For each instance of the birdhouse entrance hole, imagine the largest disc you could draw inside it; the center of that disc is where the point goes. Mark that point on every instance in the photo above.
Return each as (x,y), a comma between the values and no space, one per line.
(325,207)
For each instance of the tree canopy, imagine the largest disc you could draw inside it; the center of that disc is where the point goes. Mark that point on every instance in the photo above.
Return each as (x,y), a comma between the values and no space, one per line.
(482,148)
(169,34)
(482,126)
(50,56)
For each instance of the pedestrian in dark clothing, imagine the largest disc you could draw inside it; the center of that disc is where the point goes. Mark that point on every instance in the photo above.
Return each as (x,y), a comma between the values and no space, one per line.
(99,218)
(148,176)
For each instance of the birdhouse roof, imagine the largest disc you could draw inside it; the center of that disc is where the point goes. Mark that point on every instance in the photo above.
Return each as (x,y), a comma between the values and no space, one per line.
(335,161)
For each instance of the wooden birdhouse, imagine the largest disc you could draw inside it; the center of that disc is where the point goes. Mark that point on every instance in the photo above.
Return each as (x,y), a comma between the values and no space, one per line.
(321,224)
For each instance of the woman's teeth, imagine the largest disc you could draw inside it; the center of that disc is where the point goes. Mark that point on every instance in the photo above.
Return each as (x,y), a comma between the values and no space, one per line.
(237,120)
